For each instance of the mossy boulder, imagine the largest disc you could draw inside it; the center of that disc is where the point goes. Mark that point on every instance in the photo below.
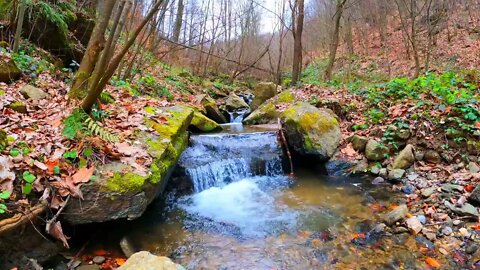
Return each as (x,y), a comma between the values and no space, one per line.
(120,191)
(311,131)
(262,92)
(375,151)
(270,111)
(8,70)
(235,103)
(203,123)
(212,110)
(18,106)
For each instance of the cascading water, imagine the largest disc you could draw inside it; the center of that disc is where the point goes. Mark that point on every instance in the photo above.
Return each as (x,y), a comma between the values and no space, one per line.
(219,159)
(237,117)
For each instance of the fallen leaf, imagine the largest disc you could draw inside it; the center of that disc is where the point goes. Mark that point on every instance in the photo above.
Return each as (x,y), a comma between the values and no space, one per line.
(120,261)
(40,165)
(83,175)
(432,262)
(55,230)
(128,150)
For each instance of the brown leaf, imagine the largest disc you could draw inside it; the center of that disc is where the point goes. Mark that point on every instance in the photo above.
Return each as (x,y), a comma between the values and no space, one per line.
(40,165)
(55,230)
(83,175)
(128,150)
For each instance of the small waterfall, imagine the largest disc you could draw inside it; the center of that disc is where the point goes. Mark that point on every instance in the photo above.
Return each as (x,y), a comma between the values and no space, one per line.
(237,116)
(220,159)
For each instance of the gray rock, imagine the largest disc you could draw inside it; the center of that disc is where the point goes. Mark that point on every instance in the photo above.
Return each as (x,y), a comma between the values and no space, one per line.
(212,110)
(375,151)
(98,259)
(32,92)
(383,172)
(378,181)
(427,192)
(262,92)
(414,225)
(396,214)
(419,155)
(475,195)
(88,267)
(396,174)
(403,134)
(375,169)
(8,70)
(432,156)
(359,143)
(446,230)
(400,230)
(146,261)
(473,167)
(471,248)
(126,246)
(451,188)
(405,158)
(465,210)
(235,103)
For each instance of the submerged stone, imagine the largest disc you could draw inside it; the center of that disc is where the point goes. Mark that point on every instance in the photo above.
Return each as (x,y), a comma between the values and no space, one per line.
(121,191)
(311,131)
(396,214)
(144,260)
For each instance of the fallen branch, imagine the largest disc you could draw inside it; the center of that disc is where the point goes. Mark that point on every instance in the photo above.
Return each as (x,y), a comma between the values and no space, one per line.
(9,224)
(284,143)
(54,227)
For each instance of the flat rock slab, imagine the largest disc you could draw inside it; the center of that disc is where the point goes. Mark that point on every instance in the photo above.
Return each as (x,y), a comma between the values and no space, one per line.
(144,260)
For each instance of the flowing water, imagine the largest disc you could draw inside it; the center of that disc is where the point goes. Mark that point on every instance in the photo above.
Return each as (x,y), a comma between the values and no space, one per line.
(245,212)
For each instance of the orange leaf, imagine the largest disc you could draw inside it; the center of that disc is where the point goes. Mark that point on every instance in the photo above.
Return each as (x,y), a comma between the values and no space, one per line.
(51,165)
(432,262)
(83,175)
(477,125)
(120,261)
(469,188)
(100,252)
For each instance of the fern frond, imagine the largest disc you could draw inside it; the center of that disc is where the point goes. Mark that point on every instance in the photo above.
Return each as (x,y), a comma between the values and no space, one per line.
(97,130)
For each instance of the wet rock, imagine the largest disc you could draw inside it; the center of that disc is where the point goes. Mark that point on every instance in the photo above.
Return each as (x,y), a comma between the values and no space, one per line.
(430,236)
(203,123)
(419,155)
(378,181)
(213,112)
(475,196)
(465,210)
(8,70)
(400,230)
(88,267)
(375,151)
(423,242)
(125,191)
(473,167)
(32,92)
(146,261)
(446,230)
(127,247)
(396,174)
(408,189)
(311,131)
(359,143)
(383,172)
(18,106)
(432,156)
(235,103)
(375,169)
(269,112)
(396,214)
(340,166)
(262,92)
(427,192)
(471,248)
(451,188)
(422,219)
(414,225)
(405,158)
(98,259)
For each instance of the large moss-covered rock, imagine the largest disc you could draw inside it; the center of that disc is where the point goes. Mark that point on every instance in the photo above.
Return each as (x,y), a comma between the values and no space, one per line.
(8,70)
(235,103)
(311,131)
(120,191)
(203,123)
(213,112)
(269,112)
(262,92)
(144,260)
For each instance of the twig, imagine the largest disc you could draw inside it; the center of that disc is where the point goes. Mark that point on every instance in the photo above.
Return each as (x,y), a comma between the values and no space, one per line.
(284,142)
(9,224)
(49,222)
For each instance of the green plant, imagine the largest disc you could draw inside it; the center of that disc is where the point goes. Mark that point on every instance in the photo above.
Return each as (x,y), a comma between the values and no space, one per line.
(4,195)
(360,127)
(79,124)
(375,115)
(70,155)
(29,178)
(3,208)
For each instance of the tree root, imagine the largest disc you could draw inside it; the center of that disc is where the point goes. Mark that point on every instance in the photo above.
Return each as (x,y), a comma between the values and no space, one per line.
(9,224)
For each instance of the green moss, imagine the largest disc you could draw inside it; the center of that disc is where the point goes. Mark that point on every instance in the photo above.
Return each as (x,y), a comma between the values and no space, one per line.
(18,107)
(150,110)
(286,97)
(126,183)
(204,123)
(2,92)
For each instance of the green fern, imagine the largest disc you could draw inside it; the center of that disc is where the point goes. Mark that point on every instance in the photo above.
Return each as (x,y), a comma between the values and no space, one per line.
(97,130)
(106,98)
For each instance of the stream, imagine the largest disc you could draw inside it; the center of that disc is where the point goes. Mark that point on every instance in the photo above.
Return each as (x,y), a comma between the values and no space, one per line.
(238,208)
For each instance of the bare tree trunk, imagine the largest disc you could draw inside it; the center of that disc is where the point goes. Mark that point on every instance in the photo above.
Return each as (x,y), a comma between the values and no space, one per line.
(21,16)
(121,26)
(95,46)
(178,21)
(335,39)
(95,92)
(297,43)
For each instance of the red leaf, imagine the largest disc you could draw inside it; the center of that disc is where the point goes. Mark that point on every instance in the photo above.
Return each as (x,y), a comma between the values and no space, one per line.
(83,175)
(432,262)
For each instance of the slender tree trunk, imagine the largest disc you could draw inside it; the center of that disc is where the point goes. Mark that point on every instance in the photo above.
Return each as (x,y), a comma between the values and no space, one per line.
(94,93)
(335,39)
(121,26)
(178,21)
(95,46)
(21,16)
(297,43)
